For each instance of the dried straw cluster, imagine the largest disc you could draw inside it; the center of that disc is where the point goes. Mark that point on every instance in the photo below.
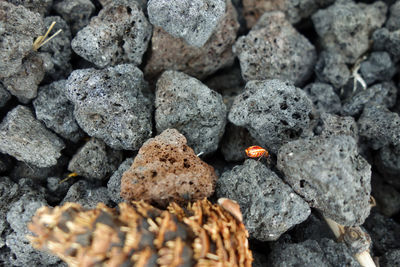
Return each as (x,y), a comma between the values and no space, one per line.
(203,234)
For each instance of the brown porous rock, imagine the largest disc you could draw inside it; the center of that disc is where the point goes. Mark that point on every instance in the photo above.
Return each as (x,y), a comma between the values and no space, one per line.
(165,170)
(170,53)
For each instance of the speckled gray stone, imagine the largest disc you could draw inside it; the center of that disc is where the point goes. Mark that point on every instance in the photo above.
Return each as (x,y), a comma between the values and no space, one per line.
(269,206)
(333,125)
(57,188)
(25,138)
(184,103)
(19,29)
(87,195)
(378,94)
(386,196)
(192,20)
(56,111)
(378,67)
(388,163)
(379,126)
(95,160)
(330,175)
(274,112)
(114,184)
(59,49)
(119,34)
(383,40)
(112,104)
(393,22)
(345,23)
(323,97)
(236,139)
(40,6)
(390,258)
(76,12)
(274,49)
(4,96)
(331,68)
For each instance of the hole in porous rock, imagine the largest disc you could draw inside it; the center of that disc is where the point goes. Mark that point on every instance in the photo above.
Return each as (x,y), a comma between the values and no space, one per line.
(296,116)
(284,106)
(302,182)
(172,160)
(153,174)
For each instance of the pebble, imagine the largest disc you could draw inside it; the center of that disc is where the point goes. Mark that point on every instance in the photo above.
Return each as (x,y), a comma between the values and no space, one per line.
(377,68)
(25,138)
(393,22)
(383,40)
(331,68)
(192,20)
(166,169)
(275,49)
(170,53)
(119,34)
(42,7)
(333,125)
(76,12)
(379,126)
(323,97)
(274,112)
(378,94)
(187,105)
(114,184)
(330,175)
(269,206)
(346,23)
(112,104)
(94,160)
(54,109)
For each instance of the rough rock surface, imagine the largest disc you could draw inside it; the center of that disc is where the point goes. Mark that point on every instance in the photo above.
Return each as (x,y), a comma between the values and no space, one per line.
(235,141)
(379,126)
(274,49)
(333,125)
(76,12)
(378,94)
(393,22)
(323,97)
(114,184)
(184,103)
(26,139)
(388,163)
(38,174)
(386,196)
(294,10)
(112,104)
(383,40)
(4,96)
(346,23)
(59,49)
(326,252)
(390,258)
(273,111)
(56,111)
(330,175)
(331,68)
(269,206)
(19,29)
(165,170)
(95,160)
(378,67)
(119,34)
(170,53)
(42,7)
(192,20)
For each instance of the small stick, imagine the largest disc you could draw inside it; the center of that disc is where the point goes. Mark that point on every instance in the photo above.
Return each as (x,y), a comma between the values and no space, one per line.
(71,175)
(41,40)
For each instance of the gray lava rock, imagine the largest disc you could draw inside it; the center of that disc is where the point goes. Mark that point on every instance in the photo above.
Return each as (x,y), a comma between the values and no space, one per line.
(38,174)
(378,67)
(378,94)
(57,189)
(393,22)
(269,206)
(19,28)
(76,12)
(331,68)
(24,83)
(379,126)
(388,163)
(56,111)
(330,175)
(42,6)
(95,160)
(314,228)
(259,259)
(112,104)
(333,125)
(119,34)
(26,139)
(274,49)
(9,192)
(390,258)
(86,195)
(273,111)
(114,184)
(345,23)
(383,40)
(59,49)
(192,20)
(235,141)
(4,96)
(384,232)
(386,196)
(323,97)
(184,103)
